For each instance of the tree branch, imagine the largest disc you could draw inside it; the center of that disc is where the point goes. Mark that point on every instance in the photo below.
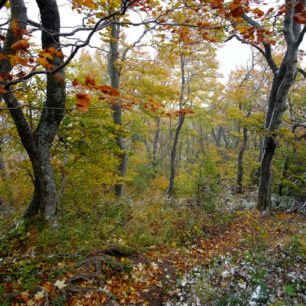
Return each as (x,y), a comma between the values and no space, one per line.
(98,26)
(268,52)
(301,71)
(301,36)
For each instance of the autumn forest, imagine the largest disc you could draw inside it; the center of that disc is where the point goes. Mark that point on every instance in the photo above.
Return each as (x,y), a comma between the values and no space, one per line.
(133,171)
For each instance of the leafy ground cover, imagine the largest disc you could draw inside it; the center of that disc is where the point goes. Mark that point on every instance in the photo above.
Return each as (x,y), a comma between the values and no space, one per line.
(154,253)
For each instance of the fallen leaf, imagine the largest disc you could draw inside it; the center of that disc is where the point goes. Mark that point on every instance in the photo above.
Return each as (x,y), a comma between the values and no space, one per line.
(60,284)
(39,295)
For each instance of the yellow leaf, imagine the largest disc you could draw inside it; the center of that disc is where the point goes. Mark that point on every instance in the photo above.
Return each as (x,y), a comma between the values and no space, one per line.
(21,44)
(16,59)
(42,61)
(89,3)
(46,54)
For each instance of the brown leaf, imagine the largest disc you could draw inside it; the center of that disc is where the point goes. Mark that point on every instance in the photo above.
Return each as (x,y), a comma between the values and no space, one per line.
(300,18)
(2,90)
(299,7)
(75,83)
(237,12)
(21,44)
(108,90)
(90,81)
(83,101)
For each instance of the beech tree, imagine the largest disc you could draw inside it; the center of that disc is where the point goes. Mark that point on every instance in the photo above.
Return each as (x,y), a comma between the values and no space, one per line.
(19,65)
(283,78)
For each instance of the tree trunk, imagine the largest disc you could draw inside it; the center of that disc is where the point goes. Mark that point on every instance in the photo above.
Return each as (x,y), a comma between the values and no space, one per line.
(183,100)
(240,160)
(170,190)
(155,143)
(116,108)
(283,79)
(38,144)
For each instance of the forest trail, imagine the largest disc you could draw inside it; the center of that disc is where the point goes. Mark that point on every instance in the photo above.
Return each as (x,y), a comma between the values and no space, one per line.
(113,274)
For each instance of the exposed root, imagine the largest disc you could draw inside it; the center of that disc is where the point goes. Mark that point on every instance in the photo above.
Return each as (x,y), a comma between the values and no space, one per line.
(87,276)
(97,263)
(111,251)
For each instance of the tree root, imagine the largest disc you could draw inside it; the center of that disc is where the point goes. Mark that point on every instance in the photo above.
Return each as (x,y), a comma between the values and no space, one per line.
(97,263)
(111,251)
(87,276)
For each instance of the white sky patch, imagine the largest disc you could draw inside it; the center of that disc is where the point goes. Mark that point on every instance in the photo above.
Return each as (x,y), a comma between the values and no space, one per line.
(232,55)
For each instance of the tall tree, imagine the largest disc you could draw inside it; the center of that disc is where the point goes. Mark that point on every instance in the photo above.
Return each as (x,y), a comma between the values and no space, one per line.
(283,79)
(14,53)
(113,70)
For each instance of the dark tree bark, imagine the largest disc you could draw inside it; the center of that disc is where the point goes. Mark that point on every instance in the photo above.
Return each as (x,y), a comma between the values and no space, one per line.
(155,143)
(183,100)
(116,108)
(283,79)
(39,142)
(240,160)
(170,190)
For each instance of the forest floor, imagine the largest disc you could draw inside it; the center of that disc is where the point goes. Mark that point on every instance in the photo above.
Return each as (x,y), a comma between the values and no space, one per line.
(245,259)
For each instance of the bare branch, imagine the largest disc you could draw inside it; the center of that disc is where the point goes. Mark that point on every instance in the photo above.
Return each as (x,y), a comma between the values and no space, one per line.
(301,36)
(301,71)
(268,52)
(102,23)
(245,42)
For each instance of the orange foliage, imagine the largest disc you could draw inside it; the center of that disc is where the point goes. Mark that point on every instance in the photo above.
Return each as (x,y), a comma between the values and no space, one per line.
(83,101)
(21,44)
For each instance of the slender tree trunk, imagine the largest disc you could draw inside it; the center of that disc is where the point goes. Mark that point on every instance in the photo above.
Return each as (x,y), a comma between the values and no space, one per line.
(116,108)
(38,144)
(170,190)
(183,101)
(240,160)
(155,143)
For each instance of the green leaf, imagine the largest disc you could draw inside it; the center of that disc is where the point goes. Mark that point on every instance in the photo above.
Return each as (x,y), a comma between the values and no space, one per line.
(289,290)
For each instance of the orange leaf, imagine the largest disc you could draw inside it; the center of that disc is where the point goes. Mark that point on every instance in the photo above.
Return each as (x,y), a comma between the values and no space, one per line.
(300,18)
(1,79)
(242,29)
(108,90)
(75,82)
(237,12)
(83,101)
(90,82)
(17,30)
(299,7)
(16,59)
(55,52)
(89,3)
(258,12)
(21,44)
(2,90)
(42,61)
(2,56)
(46,54)
(270,10)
